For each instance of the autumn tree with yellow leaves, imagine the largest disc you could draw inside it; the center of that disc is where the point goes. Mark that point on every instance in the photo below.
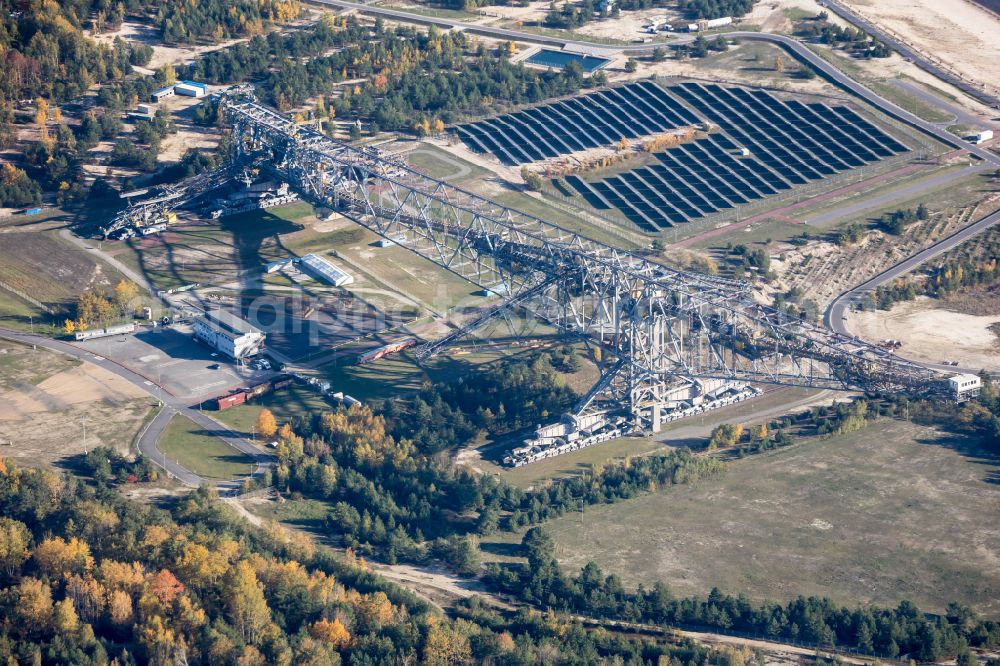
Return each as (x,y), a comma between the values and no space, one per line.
(266,424)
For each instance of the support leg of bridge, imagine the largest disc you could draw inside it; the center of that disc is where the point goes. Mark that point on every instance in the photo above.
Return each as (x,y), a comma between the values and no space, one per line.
(654,417)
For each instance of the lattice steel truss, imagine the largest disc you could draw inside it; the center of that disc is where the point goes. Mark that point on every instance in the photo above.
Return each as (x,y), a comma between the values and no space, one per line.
(652,323)
(655,326)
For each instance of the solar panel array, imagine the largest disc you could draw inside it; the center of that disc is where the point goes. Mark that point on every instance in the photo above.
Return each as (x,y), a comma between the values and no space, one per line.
(588,121)
(766,146)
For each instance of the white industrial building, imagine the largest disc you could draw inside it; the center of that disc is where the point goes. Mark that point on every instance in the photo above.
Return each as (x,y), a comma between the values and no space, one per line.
(191,89)
(965,387)
(982,137)
(229,334)
(326,270)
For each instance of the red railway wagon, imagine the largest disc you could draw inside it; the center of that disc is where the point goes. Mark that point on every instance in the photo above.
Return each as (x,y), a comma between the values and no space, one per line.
(231,400)
(392,348)
(243,395)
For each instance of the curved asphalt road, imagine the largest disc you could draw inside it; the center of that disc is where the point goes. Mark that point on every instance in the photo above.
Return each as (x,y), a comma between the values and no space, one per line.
(171,406)
(836,314)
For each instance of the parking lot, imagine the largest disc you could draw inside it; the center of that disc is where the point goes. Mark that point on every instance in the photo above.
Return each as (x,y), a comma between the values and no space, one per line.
(172,358)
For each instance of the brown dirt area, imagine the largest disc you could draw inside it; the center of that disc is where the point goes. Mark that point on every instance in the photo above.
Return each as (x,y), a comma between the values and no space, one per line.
(46,399)
(960,35)
(980,301)
(930,332)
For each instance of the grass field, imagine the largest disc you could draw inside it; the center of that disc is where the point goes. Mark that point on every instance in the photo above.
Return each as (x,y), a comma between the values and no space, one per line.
(213,252)
(577,462)
(692,432)
(437,163)
(911,103)
(307,514)
(49,269)
(21,365)
(894,511)
(202,453)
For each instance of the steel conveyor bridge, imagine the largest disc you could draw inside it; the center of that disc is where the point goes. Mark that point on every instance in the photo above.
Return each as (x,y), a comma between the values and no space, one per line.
(655,326)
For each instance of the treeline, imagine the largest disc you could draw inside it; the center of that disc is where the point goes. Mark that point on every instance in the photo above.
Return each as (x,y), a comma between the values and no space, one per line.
(972,264)
(571,15)
(891,632)
(613,483)
(822,420)
(101,307)
(895,222)
(710,9)
(506,397)
(410,75)
(16,188)
(853,40)
(88,578)
(44,52)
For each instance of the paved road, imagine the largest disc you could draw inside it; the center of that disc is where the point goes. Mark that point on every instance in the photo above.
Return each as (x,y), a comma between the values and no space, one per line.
(837,311)
(960,115)
(903,193)
(171,406)
(908,52)
(794,46)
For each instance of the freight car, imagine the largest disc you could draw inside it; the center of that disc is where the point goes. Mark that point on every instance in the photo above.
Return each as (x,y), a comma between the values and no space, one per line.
(391,348)
(240,396)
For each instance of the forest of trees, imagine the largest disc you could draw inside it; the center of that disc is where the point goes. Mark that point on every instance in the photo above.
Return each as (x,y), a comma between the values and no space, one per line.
(44,52)
(972,264)
(890,632)
(16,188)
(412,75)
(216,20)
(88,578)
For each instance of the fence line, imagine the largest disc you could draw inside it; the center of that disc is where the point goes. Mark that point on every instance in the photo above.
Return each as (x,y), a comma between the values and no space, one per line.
(23,295)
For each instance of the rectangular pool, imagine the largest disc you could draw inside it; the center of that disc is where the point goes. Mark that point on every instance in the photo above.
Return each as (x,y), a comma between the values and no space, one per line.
(559,59)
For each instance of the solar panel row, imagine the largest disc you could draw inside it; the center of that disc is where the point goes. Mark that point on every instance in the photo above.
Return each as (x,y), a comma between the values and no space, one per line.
(597,119)
(766,146)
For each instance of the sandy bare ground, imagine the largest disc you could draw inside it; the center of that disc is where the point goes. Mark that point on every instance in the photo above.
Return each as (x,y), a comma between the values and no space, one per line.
(146,33)
(628,26)
(933,334)
(958,33)
(44,423)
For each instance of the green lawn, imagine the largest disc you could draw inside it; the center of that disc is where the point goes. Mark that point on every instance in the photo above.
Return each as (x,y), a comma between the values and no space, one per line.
(305,513)
(296,401)
(577,462)
(20,315)
(437,163)
(206,455)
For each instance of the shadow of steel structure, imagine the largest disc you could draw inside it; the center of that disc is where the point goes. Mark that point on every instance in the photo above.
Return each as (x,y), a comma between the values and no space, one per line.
(660,332)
